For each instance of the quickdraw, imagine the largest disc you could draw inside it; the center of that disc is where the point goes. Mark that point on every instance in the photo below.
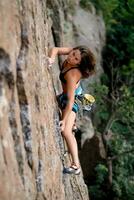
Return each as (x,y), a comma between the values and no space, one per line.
(85,101)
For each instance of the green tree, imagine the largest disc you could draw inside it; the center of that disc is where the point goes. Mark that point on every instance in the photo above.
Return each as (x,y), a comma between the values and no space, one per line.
(115,101)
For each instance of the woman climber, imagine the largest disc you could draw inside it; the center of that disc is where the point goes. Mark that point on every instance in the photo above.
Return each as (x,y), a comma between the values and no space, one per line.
(79,64)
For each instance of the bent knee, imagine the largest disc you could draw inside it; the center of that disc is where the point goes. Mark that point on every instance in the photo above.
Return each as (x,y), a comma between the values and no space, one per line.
(66,132)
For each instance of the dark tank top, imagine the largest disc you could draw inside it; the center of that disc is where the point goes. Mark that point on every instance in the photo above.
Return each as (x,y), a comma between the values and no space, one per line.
(62,74)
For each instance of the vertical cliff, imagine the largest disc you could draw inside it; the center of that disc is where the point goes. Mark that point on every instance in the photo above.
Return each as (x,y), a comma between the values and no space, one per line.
(31,147)
(72,25)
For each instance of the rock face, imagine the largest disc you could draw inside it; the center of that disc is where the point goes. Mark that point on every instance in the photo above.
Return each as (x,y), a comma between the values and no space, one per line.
(92,153)
(72,26)
(31,146)
(90,30)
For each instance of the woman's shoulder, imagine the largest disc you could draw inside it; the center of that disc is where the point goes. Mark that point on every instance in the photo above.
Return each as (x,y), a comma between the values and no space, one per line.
(74,74)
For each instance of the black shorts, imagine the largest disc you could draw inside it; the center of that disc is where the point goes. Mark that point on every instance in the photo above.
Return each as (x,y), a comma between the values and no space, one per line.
(62,101)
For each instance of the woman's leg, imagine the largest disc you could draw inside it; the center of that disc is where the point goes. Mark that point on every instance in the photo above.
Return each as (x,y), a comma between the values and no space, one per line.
(70,138)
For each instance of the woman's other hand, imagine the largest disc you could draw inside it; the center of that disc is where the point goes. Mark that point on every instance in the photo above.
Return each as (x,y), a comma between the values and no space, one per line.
(50,61)
(62,125)
(47,61)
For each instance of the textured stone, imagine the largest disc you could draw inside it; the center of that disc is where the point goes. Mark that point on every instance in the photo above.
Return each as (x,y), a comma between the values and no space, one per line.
(31,146)
(32,151)
(92,152)
(90,31)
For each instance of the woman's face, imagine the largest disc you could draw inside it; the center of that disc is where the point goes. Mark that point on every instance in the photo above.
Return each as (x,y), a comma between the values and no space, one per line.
(74,57)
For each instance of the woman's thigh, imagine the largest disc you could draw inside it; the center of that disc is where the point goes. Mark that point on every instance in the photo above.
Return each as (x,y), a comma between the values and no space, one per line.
(70,121)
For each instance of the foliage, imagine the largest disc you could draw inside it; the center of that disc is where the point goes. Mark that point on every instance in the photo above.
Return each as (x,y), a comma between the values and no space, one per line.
(95,190)
(115,99)
(100,92)
(86,4)
(123,184)
(107,7)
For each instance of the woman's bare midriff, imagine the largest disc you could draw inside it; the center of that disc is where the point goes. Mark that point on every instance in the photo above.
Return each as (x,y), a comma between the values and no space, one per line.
(64,87)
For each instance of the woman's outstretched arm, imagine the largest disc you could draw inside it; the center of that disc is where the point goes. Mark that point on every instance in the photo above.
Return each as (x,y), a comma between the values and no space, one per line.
(59,50)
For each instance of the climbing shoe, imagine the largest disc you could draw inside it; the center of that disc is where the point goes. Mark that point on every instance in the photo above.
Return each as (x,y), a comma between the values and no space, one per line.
(72,170)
